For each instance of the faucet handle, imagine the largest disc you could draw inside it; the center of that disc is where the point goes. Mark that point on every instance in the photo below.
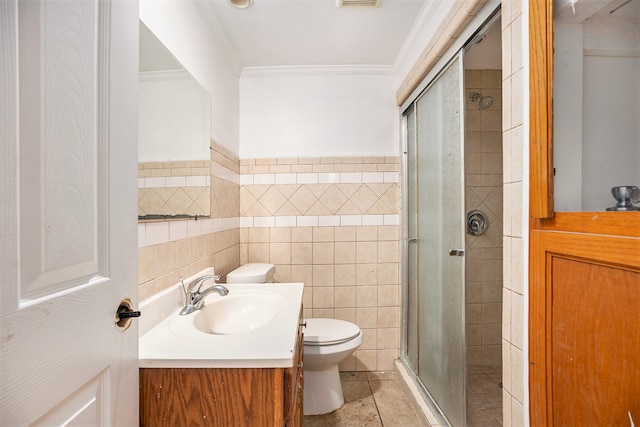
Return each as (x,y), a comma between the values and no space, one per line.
(197,283)
(184,288)
(214,277)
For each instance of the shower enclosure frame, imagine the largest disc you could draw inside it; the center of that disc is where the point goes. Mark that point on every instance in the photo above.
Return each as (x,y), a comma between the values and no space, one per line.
(474,31)
(439,241)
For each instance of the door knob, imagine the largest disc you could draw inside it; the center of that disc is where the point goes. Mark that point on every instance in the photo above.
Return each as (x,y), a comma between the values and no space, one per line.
(128,313)
(125,313)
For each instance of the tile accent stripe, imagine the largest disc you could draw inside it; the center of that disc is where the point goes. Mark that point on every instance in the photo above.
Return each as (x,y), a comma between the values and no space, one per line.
(296,171)
(155,233)
(174,181)
(224,173)
(318,221)
(320,178)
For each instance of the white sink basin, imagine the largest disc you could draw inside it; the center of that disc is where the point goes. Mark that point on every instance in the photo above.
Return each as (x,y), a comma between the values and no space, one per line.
(238,312)
(254,326)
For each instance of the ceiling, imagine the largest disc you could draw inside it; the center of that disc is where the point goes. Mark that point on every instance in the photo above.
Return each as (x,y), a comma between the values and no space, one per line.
(313,32)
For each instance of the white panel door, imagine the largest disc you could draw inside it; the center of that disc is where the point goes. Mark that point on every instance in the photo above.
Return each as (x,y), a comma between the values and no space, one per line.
(68,252)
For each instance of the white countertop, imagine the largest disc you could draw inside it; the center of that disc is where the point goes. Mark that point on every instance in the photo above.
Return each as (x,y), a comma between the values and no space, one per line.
(168,340)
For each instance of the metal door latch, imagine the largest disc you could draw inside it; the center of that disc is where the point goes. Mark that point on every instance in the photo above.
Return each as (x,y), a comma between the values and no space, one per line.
(125,313)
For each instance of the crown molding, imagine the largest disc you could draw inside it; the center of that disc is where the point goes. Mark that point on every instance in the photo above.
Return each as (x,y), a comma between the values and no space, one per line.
(420,25)
(318,70)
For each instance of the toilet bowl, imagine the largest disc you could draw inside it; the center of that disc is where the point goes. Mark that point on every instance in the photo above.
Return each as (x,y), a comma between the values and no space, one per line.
(327,342)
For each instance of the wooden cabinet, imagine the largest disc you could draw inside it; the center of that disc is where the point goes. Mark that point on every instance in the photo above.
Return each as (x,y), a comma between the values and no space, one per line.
(584,329)
(584,271)
(294,385)
(223,396)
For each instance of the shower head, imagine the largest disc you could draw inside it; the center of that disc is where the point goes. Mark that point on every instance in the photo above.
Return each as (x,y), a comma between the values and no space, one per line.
(484,101)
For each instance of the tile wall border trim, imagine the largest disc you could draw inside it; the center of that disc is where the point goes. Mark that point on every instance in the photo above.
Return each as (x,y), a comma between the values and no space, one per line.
(320,178)
(174,181)
(155,233)
(224,173)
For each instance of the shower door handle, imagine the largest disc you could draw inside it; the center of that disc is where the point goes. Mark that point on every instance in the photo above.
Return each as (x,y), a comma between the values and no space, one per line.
(412,240)
(456,252)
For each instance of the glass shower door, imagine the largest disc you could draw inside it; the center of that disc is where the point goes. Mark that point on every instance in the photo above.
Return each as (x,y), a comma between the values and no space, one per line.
(435,262)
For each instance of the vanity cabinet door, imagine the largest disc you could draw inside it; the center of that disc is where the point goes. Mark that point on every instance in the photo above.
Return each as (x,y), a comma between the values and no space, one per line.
(294,384)
(214,397)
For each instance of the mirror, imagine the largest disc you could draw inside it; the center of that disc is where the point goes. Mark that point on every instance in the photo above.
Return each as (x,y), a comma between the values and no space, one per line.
(174,166)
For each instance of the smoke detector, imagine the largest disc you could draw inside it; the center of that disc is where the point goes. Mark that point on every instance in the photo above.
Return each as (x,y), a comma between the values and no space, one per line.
(358,3)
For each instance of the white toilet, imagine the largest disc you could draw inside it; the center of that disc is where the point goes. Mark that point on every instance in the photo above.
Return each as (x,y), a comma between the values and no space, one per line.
(327,342)
(252,273)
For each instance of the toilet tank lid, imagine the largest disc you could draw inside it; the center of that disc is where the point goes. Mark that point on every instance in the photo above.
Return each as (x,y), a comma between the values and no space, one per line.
(251,273)
(321,331)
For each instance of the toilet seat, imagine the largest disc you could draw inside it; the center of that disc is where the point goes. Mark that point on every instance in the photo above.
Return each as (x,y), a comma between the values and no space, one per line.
(321,332)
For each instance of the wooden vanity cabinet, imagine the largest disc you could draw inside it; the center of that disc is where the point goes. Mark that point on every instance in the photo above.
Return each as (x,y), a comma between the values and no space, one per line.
(223,396)
(294,384)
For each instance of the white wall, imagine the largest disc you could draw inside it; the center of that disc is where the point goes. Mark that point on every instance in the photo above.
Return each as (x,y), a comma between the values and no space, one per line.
(305,114)
(174,114)
(330,112)
(300,112)
(180,26)
(324,112)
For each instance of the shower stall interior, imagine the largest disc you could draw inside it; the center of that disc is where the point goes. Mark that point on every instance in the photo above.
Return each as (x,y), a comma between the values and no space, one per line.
(453,234)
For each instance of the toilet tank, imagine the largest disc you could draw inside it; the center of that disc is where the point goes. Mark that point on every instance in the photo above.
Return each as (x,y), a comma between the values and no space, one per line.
(252,273)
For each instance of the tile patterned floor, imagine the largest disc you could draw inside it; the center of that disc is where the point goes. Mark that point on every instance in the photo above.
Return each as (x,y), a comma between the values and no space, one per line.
(371,399)
(377,399)
(484,396)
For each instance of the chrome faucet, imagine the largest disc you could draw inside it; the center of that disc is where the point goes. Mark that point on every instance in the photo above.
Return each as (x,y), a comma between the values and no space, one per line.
(194,298)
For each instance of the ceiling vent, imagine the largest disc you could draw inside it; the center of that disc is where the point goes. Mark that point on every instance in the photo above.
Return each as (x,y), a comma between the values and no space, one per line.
(358,3)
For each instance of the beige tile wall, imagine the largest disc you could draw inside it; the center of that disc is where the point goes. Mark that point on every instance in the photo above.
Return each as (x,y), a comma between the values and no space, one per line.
(170,249)
(483,169)
(225,183)
(515,172)
(161,265)
(332,224)
(173,168)
(174,188)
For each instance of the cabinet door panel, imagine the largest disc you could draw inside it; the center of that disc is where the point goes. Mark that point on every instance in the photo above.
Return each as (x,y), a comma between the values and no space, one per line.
(585,329)
(595,343)
(218,397)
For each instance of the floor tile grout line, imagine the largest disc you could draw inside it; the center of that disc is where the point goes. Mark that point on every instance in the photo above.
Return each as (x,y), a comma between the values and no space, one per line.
(375,403)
